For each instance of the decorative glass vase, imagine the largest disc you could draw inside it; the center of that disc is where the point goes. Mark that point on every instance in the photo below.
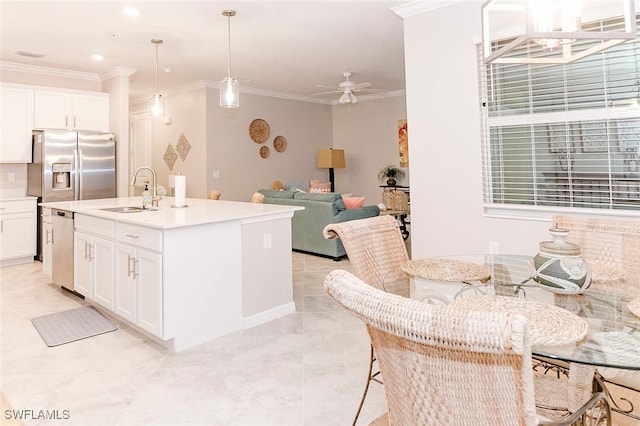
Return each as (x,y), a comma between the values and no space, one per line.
(559,266)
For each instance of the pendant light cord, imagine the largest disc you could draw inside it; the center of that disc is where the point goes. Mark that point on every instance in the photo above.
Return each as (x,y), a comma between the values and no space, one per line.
(156,68)
(229,46)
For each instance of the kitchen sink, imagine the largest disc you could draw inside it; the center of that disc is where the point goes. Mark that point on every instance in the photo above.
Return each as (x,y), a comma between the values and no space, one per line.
(127,209)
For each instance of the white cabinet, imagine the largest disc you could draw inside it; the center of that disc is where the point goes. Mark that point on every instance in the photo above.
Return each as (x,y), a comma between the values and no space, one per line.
(93,249)
(17,231)
(46,242)
(16,116)
(71,110)
(138,296)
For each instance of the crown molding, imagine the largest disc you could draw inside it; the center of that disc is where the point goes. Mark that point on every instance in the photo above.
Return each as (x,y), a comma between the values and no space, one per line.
(416,7)
(117,72)
(52,72)
(209,84)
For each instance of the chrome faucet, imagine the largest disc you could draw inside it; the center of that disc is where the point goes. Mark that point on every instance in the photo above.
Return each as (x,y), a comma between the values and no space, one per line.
(154,190)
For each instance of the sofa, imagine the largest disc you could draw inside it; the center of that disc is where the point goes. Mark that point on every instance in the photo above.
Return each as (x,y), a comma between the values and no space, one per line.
(320,209)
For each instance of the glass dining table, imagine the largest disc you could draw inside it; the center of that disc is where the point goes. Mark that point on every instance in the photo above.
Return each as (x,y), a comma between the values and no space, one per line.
(596,327)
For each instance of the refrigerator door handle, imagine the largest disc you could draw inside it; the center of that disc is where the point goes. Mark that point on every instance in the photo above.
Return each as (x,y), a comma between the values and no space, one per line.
(76,175)
(80,172)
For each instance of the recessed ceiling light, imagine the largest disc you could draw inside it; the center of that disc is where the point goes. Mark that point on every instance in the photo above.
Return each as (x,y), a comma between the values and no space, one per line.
(97,57)
(131,11)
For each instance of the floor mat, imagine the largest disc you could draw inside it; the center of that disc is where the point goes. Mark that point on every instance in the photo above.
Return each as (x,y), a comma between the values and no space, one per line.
(69,326)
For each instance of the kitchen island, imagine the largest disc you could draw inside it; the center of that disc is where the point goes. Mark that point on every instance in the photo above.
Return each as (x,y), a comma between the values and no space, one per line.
(184,275)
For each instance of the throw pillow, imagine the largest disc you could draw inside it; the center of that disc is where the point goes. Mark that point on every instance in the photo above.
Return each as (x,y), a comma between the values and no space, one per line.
(319,187)
(302,185)
(353,202)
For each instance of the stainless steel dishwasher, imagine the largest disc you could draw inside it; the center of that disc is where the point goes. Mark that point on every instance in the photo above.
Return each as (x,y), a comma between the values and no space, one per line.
(62,248)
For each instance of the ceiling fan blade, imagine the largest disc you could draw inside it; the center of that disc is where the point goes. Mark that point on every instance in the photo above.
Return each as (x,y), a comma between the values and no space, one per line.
(369,90)
(326,93)
(322,86)
(362,86)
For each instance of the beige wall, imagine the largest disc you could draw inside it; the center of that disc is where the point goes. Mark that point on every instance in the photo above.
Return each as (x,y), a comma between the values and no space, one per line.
(446,173)
(187,112)
(306,126)
(367,131)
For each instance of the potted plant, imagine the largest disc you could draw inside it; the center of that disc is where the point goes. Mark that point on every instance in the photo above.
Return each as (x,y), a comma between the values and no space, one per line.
(391,172)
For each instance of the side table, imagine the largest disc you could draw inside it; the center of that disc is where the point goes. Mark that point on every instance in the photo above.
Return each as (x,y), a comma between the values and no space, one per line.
(401,215)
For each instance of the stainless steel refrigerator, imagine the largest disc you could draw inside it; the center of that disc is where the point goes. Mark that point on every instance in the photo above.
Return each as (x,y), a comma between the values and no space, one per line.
(71,166)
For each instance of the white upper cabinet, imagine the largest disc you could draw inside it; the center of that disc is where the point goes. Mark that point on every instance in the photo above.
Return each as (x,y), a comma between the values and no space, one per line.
(71,111)
(16,123)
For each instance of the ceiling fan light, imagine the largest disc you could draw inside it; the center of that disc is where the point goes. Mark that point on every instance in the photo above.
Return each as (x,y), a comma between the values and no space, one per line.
(344,99)
(229,93)
(354,99)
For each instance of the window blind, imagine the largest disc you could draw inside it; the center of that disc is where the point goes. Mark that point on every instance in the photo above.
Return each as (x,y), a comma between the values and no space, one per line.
(563,135)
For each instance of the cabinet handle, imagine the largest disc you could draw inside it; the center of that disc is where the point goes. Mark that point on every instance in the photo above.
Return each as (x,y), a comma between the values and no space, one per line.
(91,252)
(1,225)
(132,236)
(74,121)
(129,269)
(87,251)
(47,240)
(135,269)
(66,121)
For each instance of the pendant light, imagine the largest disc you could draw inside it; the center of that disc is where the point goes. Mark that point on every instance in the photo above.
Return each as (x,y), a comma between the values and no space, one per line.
(229,87)
(156,101)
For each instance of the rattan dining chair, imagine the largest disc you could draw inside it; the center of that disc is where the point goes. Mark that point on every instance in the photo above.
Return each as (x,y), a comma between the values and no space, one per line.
(611,248)
(444,366)
(376,250)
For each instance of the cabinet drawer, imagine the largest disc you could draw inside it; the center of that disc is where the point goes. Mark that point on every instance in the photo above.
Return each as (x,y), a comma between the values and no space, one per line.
(139,236)
(17,206)
(95,225)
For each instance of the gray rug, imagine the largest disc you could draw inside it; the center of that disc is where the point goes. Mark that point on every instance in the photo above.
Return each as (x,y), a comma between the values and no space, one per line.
(69,326)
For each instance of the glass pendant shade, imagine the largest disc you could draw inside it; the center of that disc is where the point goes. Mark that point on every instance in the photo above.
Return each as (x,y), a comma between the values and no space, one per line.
(156,105)
(229,93)
(229,86)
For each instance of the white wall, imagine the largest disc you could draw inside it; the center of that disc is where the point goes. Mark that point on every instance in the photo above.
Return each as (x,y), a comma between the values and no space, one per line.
(368,133)
(443,114)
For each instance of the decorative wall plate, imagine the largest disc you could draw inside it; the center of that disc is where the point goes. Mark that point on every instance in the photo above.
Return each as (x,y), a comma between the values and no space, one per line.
(259,130)
(170,156)
(264,151)
(182,147)
(280,143)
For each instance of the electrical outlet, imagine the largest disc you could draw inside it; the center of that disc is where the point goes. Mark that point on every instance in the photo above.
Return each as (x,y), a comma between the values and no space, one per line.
(216,174)
(494,247)
(11,176)
(266,241)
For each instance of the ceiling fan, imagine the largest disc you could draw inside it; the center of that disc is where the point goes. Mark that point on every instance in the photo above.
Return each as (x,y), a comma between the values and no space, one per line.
(347,88)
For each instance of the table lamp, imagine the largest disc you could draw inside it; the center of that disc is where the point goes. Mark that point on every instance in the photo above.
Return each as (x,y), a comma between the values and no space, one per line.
(331,159)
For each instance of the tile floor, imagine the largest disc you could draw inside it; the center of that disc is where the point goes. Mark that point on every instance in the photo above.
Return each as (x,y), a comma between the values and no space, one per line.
(307,368)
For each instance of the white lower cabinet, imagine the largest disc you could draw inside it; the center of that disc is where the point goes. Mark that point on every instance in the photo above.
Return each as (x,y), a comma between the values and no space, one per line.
(119,266)
(139,281)
(17,231)
(93,257)
(93,267)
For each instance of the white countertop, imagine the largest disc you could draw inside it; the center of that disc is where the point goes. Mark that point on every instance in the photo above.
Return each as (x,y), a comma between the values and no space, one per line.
(17,198)
(199,211)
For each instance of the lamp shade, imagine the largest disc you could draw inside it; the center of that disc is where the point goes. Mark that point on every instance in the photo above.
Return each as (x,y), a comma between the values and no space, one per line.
(331,159)
(229,93)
